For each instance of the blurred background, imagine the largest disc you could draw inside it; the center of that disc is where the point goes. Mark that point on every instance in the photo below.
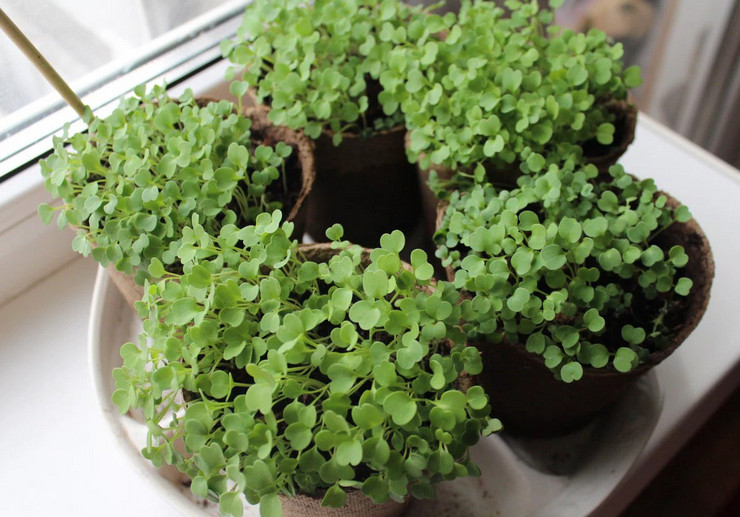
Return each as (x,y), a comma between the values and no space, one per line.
(688,52)
(90,43)
(78,37)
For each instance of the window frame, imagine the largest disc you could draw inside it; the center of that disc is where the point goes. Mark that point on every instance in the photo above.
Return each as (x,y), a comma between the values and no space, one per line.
(172,58)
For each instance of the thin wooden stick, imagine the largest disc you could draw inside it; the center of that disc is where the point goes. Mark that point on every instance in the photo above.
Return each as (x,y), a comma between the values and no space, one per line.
(32,53)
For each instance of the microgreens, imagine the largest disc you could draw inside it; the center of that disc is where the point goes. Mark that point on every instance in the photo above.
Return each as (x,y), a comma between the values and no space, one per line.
(131,184)
(567,266)
(303,370)
(510,89)
(318,64)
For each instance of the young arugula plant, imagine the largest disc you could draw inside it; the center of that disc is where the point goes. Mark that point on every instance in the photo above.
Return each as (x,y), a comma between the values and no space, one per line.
(310,370)
(567,266)
(131,184)
(320,65)
(512,89)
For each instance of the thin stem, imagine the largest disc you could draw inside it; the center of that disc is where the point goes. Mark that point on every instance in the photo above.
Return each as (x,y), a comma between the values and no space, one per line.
(38,60)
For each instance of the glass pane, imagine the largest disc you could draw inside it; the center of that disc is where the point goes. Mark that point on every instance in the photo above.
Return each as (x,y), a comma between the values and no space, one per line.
(80,38)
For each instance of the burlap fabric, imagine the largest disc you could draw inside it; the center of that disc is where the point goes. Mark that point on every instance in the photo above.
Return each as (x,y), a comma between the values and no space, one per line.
(357,505)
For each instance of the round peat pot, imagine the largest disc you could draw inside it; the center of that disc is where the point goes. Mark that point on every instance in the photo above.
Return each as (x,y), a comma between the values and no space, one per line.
(365,184)
(131,291)
(428,199)
(508,484)
(357,505)
(300,167)
(530,401)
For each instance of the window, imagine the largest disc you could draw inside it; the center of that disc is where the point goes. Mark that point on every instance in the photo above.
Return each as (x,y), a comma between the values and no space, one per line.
(103,48)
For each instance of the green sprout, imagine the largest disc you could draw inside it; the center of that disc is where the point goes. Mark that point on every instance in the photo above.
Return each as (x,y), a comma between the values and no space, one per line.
(303,372)
(320,65)
(513,90)
(131,184)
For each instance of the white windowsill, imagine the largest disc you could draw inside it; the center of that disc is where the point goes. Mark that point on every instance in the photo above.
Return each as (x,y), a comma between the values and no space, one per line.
(58,454)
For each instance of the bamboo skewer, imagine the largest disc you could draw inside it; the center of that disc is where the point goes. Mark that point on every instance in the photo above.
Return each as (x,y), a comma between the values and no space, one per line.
(32,53)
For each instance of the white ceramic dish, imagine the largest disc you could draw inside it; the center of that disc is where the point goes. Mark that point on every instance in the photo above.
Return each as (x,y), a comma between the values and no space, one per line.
(566,477)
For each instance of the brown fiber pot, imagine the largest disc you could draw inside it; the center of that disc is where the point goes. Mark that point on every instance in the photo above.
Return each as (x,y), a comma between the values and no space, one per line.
(528,399)
(322,252)
(263,131)
(357,505)
(601,156)
(366,185)
(303,150)
(604,156)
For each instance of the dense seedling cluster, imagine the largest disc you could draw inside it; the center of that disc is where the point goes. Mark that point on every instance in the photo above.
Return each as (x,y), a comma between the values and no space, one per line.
(509,87)
(311,373)
(131,183)
(320,65)
(568,266)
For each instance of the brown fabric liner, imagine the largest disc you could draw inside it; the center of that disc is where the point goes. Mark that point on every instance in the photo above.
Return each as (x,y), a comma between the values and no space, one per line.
(357,505)
(529,400)
(266,130)
(366,185)
(131,291)
(322,252)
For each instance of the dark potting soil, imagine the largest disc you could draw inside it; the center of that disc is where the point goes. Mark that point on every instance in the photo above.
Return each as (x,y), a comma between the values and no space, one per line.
(294,177)
(624,125)
(663,314)
(276,190)
(374,116)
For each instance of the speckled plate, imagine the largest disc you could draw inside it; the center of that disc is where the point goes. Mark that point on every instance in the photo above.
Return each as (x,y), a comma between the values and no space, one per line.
(563,477)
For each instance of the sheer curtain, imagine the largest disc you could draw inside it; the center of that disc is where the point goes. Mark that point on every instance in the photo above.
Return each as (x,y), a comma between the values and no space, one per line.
(79,37)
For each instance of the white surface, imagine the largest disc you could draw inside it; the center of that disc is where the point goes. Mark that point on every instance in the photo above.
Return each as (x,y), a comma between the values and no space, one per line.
(533,478)
(59,457)
(22,235)
(695,36)
(704,370)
